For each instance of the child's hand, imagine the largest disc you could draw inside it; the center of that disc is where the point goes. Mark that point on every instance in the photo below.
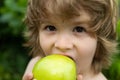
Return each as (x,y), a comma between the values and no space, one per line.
(79,77)
(28,73)
(28,76)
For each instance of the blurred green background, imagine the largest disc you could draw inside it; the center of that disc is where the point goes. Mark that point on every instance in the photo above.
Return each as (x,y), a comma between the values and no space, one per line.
(14,57)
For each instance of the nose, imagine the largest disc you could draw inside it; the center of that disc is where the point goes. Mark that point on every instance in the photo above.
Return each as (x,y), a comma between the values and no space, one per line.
(63,43)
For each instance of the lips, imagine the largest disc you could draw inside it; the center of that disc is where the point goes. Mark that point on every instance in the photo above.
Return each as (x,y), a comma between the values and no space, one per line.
(65,54)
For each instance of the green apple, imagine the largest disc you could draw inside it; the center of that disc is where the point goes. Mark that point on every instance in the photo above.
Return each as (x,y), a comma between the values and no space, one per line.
(55,67)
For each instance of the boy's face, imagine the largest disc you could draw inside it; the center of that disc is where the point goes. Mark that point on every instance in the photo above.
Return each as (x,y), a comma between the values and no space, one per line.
(71,37)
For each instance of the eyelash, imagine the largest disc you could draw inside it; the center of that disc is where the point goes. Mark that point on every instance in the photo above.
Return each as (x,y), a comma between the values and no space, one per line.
(77,29)
(50,28)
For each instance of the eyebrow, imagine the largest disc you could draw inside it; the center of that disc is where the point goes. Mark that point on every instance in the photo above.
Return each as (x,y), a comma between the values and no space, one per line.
(82,22)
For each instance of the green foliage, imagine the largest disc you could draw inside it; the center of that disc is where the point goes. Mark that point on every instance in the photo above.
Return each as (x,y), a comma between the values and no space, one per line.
(13,56)
(113,73)
(118,30)
(12,13)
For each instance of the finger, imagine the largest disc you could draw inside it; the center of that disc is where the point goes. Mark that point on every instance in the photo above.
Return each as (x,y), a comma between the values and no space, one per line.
(79,77)
(28,76)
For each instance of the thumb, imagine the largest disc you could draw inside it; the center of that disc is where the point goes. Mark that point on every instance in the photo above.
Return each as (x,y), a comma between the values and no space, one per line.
(79,77)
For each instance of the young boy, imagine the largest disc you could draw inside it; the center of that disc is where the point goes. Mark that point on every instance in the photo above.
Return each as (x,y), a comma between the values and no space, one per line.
(81,29)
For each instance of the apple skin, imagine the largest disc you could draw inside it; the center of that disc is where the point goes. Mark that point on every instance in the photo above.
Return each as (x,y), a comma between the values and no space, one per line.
(55,67)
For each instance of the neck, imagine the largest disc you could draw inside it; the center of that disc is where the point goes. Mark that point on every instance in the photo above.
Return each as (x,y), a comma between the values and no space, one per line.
(88,74)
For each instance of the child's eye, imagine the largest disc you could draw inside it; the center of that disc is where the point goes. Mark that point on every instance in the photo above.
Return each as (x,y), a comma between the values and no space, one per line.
(79,29)
(50,28)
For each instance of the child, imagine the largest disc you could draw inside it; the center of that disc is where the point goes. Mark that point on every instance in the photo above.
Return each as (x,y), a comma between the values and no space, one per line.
(81,29)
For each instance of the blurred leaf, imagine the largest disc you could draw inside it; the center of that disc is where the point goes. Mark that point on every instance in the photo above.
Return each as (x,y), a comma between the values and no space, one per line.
(118,30)
(13,14)
(13,56)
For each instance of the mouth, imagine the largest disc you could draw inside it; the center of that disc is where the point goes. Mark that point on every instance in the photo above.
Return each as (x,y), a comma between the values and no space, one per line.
(69,57)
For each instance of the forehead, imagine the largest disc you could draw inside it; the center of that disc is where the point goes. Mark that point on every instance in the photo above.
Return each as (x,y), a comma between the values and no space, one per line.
(81,18)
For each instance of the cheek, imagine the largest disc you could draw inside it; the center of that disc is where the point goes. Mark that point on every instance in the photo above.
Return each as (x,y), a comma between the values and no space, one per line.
(43,43)
(90,48)
(86,52)
(91,42)
(46,43)
(87,48)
